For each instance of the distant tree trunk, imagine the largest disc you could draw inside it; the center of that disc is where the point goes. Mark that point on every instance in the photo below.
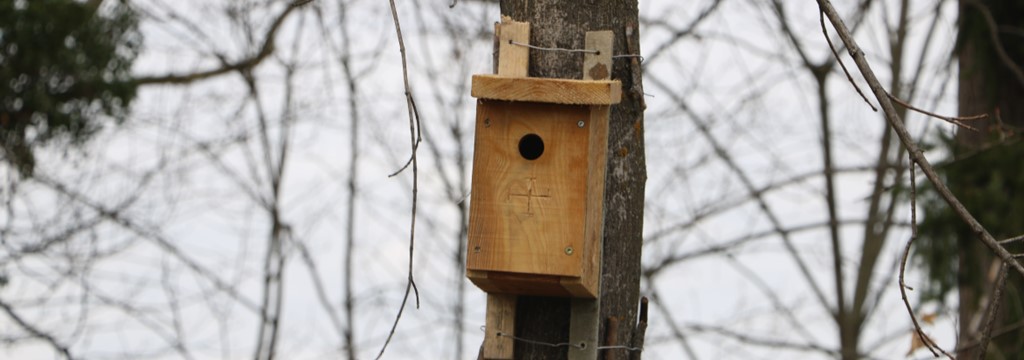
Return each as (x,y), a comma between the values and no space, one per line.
(988,84)
(563,23)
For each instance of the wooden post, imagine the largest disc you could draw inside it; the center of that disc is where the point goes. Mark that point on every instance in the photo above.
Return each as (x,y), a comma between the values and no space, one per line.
(501,326)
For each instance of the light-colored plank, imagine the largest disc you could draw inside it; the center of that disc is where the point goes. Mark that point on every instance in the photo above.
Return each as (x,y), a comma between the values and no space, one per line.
(513,60)
(584,323)
(501,319)
(588,284)
(556,91)
(597,164)
(598,66)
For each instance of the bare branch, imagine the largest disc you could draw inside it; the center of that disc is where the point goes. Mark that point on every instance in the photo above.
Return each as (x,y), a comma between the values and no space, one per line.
(242,65)
(925,339)
(415,138)
(35,332)
(1010,240)
(955,120)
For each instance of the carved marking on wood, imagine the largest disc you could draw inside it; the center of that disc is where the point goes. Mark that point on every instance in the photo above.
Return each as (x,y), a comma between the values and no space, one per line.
(529,194)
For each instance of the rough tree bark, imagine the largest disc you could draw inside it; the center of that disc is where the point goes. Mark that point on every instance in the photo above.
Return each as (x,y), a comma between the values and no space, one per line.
(557,23)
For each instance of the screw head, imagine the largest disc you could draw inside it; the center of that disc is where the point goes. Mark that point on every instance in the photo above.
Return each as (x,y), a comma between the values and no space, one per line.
(580,123)
(568,250)
(487,122)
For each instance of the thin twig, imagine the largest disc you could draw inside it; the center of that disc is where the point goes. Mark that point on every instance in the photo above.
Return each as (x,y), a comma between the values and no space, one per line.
(1010,240)
(414,114)
(824,31)
(955,120)
(927,341)
(993,308)
(415,137)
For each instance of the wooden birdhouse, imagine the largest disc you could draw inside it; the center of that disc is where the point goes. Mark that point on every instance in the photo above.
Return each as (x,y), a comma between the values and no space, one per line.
(536,210)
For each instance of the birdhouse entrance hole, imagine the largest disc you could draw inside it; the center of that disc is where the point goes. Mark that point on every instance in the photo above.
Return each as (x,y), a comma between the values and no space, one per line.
(531,146)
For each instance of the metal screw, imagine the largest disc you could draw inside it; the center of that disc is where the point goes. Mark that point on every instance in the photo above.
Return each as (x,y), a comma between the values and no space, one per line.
(487,122)
(580,123)
(568,250)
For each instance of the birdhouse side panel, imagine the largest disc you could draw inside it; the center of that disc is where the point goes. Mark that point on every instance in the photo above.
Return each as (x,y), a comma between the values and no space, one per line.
(528,203)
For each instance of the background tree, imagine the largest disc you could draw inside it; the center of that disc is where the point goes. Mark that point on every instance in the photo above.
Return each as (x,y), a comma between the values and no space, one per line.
(985,172)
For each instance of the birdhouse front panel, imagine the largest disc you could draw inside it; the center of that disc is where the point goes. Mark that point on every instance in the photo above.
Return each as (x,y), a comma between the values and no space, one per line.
(529,191)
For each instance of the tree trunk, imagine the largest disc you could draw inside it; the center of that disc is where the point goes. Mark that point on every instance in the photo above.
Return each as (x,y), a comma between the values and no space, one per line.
(987,85)
(563,23)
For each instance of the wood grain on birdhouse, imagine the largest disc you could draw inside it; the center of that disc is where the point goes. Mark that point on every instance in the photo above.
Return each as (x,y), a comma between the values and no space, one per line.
(532,214)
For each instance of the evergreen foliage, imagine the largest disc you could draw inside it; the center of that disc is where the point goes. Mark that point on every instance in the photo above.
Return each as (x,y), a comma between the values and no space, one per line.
(990,183)
(65,70)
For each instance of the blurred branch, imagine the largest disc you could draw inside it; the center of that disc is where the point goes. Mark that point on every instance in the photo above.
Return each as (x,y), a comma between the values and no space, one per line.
(732,244)
(724,205)
(677,332)
(321,294)
(677,34)
(750,189)
(32,330)
(265,50)
(161,242)
(770,343)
